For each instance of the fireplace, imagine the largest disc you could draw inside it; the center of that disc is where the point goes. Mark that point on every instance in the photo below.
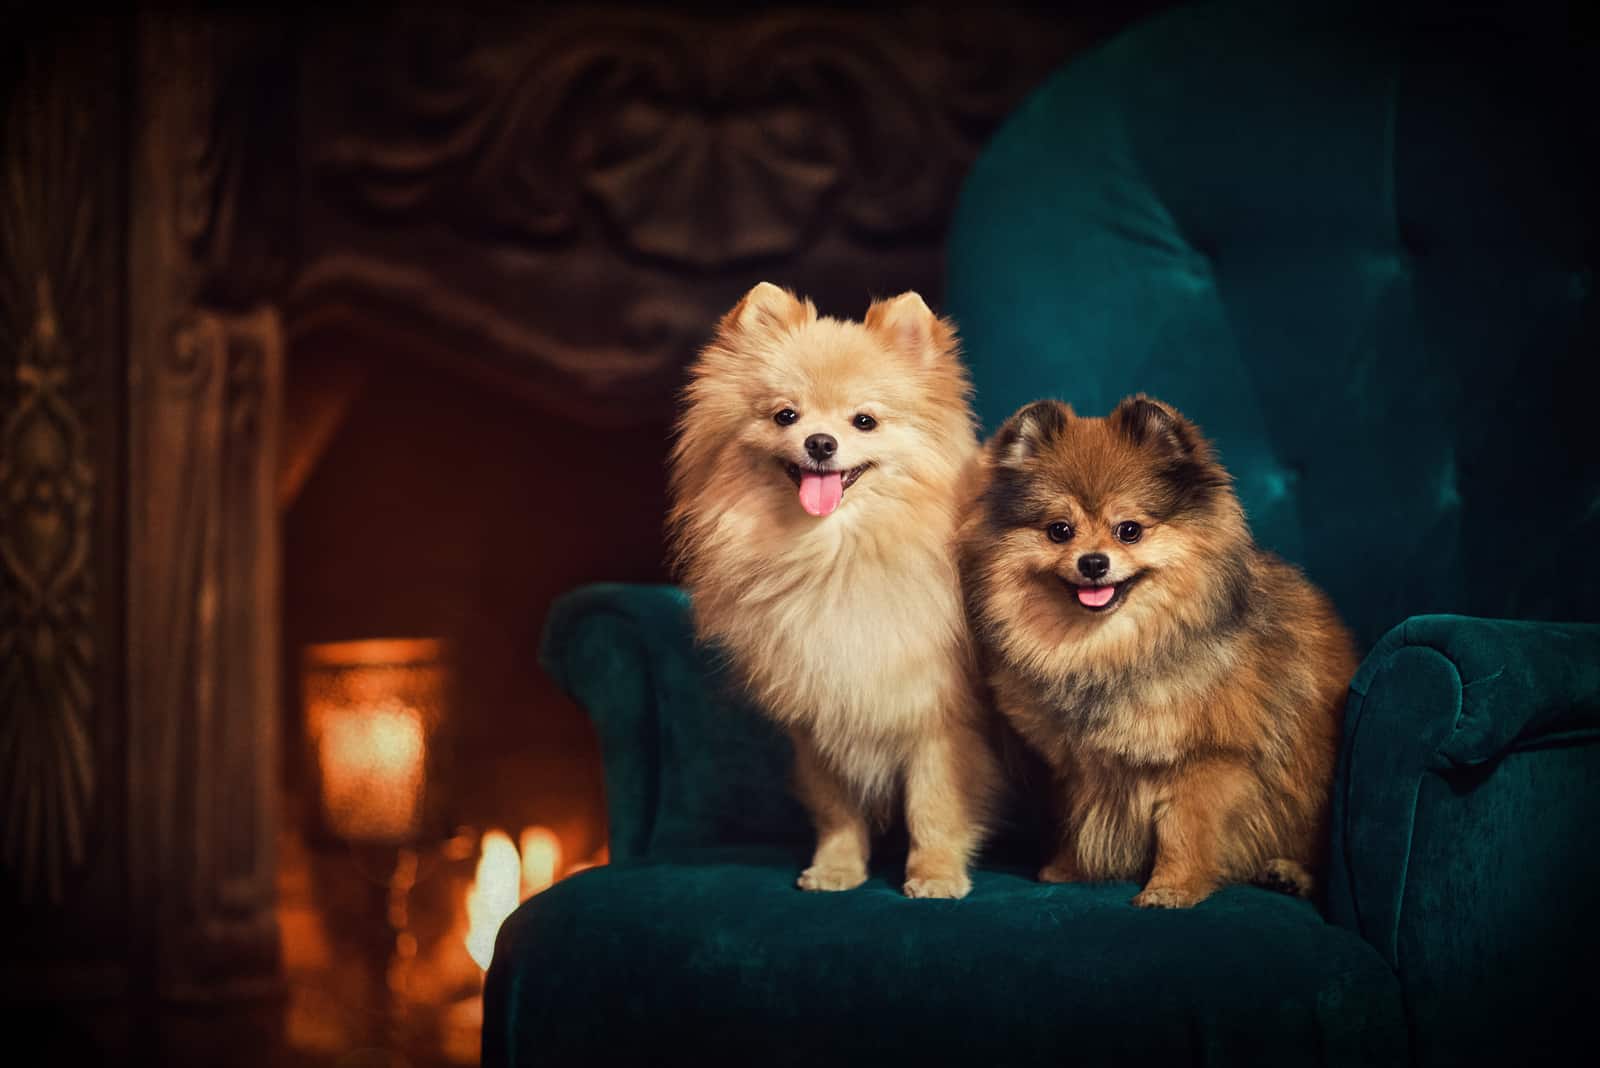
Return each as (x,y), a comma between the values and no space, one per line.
(432,783)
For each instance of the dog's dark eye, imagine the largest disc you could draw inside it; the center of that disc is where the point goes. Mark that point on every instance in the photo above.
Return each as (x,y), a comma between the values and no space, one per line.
(1129,532)
(786,417)
(863,422)
(1059,531)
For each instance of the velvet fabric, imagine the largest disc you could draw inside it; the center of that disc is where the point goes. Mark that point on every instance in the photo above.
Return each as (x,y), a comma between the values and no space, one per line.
(686,762)
(1459,859)
(712,956)
(1357,244)
(1462,845)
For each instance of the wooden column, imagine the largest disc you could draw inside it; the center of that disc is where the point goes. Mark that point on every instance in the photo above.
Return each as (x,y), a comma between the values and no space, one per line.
(205,367)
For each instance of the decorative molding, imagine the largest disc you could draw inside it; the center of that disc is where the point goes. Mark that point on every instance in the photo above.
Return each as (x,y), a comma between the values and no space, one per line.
(52,297)
(702,143)
(204,654)
(205,374)
(47,642)
(565,199)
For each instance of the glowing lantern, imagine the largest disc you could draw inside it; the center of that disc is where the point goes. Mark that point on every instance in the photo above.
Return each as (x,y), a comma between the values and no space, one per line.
(371,710)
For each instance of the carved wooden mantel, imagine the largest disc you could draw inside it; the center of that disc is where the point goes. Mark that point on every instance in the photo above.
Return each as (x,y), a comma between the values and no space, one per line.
(559,200)
(562,201)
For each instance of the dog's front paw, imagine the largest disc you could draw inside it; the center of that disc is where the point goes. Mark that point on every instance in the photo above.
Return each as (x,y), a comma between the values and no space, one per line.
(946,886)
(1169,897)
(831,877)
(1057,872)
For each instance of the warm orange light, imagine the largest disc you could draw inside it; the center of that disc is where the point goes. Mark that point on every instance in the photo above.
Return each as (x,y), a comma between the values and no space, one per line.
(492,896)
(504,880)
(600,859)
(541,860)
(371,764)
(371,707)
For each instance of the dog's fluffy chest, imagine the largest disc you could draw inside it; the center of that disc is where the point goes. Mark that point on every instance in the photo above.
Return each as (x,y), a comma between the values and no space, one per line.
(862,648)
(1138,720)
(1152,725)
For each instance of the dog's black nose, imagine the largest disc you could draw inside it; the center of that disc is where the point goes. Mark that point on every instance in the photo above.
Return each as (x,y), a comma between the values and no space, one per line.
(1094,565)
(821,446)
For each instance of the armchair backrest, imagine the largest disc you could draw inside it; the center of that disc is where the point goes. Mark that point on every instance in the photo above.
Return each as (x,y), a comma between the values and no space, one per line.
(1359,249)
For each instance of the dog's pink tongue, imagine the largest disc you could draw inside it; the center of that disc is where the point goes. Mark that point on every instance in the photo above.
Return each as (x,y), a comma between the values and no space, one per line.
(1096,596)
(819,494)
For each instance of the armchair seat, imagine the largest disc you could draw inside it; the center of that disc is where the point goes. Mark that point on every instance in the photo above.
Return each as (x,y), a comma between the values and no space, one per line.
(726,958)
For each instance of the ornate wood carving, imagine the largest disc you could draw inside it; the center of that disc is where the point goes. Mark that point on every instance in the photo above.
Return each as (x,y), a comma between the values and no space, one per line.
(47,642)
(204,411)
(565,199)
(59,288)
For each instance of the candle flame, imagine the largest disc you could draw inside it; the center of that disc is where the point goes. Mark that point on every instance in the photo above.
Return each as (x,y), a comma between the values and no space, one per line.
(506,878)
(492,896)
(541,859)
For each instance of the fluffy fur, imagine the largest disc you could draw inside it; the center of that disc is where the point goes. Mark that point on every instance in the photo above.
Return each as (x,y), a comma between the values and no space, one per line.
(848,628)
(1192,722)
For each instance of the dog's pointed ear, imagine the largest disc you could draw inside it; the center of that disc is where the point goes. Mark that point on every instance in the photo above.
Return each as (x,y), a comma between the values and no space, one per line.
(767,311)
(1151,424)
(1028,431)
(907,325)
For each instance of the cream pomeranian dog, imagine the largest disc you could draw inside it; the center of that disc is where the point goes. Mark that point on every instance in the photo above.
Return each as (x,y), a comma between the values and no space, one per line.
(816,482)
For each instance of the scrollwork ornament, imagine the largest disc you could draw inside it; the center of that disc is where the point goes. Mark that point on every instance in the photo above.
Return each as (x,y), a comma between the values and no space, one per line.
(47,650)
(699,143)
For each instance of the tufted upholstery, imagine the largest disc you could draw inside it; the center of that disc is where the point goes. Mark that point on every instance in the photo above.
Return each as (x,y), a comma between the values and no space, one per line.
(1359,250)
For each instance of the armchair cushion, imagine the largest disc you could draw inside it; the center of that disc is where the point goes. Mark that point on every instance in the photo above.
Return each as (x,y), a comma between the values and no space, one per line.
(725,957)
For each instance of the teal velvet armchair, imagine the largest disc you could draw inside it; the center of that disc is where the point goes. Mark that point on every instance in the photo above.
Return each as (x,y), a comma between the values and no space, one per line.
(1359,248)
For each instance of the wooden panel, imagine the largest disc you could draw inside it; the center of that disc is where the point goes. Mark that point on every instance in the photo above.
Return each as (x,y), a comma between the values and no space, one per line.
(62,122)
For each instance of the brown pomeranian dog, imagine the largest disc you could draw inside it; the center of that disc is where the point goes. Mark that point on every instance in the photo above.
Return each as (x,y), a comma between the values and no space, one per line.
(1184,686)
(816,486)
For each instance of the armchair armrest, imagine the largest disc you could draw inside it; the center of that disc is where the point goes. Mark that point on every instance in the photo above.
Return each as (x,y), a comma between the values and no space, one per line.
(604,645)
(1462,844)
(686,764)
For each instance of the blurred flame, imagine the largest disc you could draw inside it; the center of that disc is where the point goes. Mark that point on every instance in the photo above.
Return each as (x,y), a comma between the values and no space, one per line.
(492,896)
(541,859)
(506,878)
